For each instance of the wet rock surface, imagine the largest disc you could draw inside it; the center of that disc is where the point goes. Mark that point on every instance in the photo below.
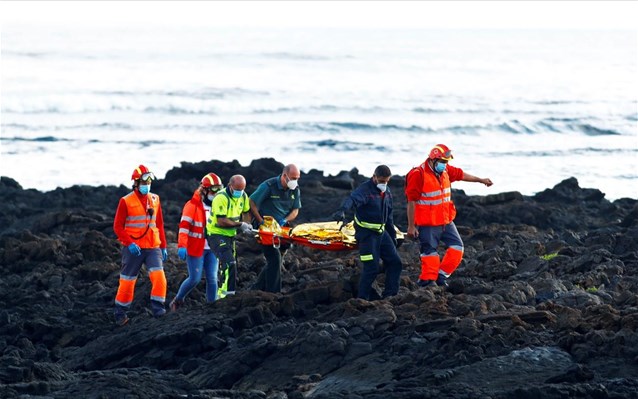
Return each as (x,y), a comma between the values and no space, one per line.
(545,303)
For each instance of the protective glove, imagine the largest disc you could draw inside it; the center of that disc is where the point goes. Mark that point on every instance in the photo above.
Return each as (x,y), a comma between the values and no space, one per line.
(282,221)
(135,249)
(245,227)
(339,216)
(164,255)
(181,253)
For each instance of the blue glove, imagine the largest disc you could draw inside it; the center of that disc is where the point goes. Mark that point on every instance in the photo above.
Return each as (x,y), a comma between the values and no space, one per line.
(282,221)
(135,249)
(164,254)
(181,253)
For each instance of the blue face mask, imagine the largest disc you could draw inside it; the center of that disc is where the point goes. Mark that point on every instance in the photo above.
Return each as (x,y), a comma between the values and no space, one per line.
(440,167)
(144,189)
(238,193)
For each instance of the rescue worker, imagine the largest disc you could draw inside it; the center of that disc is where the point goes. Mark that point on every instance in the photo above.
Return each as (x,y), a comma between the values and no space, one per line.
(431,213)
(229,208)
(280,198)
(192,245)
(374,232)
(139,226)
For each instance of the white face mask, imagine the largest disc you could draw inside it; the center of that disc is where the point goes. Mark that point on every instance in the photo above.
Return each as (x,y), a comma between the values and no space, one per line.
(292,184)
(210,197)
(382,187)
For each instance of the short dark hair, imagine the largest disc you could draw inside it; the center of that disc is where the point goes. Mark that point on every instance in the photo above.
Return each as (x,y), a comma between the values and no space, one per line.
(382,171)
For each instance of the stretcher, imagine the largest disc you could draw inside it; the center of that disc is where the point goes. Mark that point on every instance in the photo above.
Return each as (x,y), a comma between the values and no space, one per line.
(326,236)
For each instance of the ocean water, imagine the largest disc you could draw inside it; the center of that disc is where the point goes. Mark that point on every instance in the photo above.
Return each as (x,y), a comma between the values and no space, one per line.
(525,108)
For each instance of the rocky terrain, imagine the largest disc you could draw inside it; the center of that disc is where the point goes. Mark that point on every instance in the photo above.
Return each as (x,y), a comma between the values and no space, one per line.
(545,303)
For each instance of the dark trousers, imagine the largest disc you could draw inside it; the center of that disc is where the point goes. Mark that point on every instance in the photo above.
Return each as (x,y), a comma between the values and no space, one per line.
(374,247)
(269,278)
(224,249)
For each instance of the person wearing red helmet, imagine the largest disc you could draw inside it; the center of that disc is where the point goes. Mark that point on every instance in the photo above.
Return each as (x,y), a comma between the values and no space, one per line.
(192,245)
(139,226)
(431,214)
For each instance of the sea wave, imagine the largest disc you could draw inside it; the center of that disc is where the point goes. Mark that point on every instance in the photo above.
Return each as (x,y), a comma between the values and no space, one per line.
(322,108)
(558,102)
(595,131)
(559,152)
(296,56)
(42,139)
(27,54)
(334,127)
(200,94)
(340,145)
(514,126)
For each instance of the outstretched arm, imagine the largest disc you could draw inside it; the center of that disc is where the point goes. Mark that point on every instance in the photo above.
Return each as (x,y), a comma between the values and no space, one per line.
(474,179)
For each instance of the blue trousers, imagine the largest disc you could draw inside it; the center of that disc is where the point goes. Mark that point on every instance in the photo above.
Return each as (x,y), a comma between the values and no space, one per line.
(374,247)
(196,264)
(430,236)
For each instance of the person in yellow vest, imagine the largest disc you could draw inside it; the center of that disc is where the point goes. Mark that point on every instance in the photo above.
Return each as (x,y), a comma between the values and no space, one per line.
(431,214)
(139,226)
(228,214)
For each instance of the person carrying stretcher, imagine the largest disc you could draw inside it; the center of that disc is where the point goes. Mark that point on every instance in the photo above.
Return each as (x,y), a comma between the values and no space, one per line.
(374,232)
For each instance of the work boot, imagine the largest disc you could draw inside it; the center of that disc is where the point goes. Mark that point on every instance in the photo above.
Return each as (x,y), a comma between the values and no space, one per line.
(121,319)
(426,283)
(120,315)
(441,281)
(158,308)
(175,304)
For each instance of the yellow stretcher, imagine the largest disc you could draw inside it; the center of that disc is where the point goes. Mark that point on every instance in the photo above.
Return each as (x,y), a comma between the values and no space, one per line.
(327,236)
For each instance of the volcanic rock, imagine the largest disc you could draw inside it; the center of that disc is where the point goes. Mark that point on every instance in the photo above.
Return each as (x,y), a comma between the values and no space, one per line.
(544,304)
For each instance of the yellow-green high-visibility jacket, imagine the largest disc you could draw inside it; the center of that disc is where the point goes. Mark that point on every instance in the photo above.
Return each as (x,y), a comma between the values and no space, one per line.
(224,205)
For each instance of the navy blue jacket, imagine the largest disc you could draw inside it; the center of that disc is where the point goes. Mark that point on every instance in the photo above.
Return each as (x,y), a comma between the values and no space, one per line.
(370,207)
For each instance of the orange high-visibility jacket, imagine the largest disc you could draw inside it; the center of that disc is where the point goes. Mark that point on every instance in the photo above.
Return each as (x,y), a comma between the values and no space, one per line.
(140,223)
(434,207)
(192,226)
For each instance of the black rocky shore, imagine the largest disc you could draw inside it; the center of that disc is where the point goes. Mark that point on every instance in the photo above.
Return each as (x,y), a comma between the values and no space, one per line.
(544,305)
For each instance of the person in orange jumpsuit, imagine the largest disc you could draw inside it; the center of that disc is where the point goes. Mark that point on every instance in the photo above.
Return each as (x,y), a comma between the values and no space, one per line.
(431,214)
(139,226)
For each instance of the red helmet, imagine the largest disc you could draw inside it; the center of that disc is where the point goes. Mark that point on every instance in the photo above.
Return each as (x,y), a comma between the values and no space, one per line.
(441,151)
(210,180)
(142,173)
